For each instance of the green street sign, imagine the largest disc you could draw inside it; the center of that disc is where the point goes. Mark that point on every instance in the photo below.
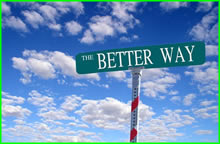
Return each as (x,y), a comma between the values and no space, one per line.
(169,55)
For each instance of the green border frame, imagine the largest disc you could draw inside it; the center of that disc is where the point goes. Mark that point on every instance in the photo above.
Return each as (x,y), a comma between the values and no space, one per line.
(104,1)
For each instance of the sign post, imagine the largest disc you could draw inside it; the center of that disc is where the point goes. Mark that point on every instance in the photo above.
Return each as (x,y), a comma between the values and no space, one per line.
(136,82)
(135,59)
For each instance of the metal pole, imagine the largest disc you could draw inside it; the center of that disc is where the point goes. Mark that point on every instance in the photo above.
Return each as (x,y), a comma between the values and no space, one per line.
(136,79)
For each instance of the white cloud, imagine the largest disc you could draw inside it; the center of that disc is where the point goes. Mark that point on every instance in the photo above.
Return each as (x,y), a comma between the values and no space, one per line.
(53,26)
(174,117)
(43,127)
(65,7)
(157,131)
(99,84)
(14,23)
(78,125)
(55,115)
(73,28)
(78,84)
(68,66)
(49,12)
(9,99)
(81,137)
(207,103)
(71,102)
(33,18)
(41,68)
(188,99)
(87,37)
(207,112)
(206,77)
(211,50)
(203,132)
(207,30)
(42,14)
(19,121)
(125,39)
(39,100)
(43,132)
(47,65)
(128,39)
(103,85)
(16,111)
(10,107)
(122,10)
(168,6)
(28,5)
(101,26)
(110,112)
(6,9)
(135,36)
(119,75)
(204,6)
(164,127)
(175,99)
(155,81)
(173,92)
(118,22)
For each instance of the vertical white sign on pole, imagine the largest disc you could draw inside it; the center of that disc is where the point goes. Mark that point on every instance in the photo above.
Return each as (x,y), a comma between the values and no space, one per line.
(136,80)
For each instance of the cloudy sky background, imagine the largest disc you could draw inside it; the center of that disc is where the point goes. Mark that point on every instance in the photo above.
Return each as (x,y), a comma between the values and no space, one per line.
(44,99)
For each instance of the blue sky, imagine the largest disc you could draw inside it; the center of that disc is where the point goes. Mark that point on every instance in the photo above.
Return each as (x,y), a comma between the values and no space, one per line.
(44,99)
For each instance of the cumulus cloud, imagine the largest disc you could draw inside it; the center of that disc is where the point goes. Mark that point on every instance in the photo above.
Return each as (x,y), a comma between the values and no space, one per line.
(14,23)
(120,20)
(205,76)
(49,12)
(19,121)
(119,75)
(87,37)
(40,14)
(54,26)
(65,7)
(204,6)
(203,132)
(175,99)
(72,27)
(55,115)
(78,125)
(207,30)
(109,112)
(128,39)
(71,102)
(211,50)
(10,106)
(16,111)
(164,127)
(155,81)
(9,99)
(42,132)
(6,9)
(47,65)
(207,112)
(188,99)
(168,6)
(33,18)
(78,84)
(207,102)
(39,100)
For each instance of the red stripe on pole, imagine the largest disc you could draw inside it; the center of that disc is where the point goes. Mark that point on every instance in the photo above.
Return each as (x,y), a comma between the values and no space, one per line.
(133,134)
(134,104)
